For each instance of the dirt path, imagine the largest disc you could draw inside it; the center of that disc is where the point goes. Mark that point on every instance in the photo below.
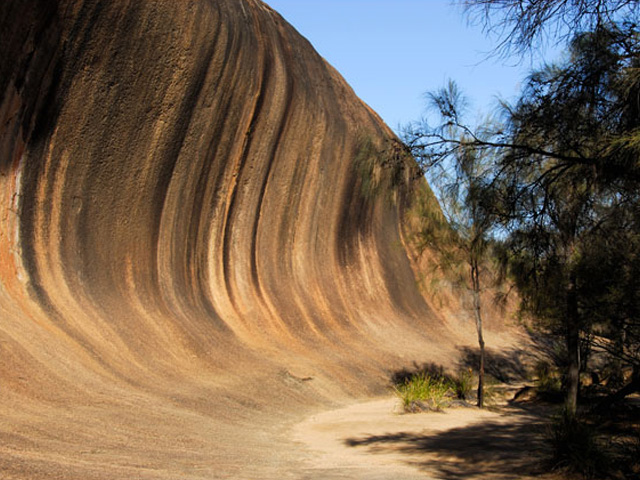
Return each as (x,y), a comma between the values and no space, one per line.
(373,441)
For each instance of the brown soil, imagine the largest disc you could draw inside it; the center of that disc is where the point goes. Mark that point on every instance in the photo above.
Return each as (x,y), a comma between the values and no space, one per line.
(374,440)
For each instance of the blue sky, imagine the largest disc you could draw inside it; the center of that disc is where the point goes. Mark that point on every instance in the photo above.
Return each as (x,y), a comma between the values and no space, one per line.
(393,51)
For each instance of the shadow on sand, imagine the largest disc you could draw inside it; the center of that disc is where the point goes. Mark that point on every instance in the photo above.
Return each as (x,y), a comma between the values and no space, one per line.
(510,366)
(506,367)
(490,449)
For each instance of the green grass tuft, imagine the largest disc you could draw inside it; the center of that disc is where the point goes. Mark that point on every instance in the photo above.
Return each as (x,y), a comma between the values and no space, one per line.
(462,383)
(423,392)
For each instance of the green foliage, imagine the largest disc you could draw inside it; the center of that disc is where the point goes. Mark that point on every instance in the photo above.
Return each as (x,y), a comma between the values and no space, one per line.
(422,391)
(561,172)
(430,227)
(571,192)
(575,447)
(462,383)
(460,177)
(548,381)
(563,179)
(366,160)
(384,170)
(523,26)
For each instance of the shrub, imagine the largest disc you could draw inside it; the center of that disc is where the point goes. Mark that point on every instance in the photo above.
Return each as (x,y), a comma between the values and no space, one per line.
(575,448)
(423,392)
(462,383)
(548,382)
(633,455)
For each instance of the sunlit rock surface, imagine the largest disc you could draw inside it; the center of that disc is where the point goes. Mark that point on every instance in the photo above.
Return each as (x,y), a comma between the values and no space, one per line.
(191,253)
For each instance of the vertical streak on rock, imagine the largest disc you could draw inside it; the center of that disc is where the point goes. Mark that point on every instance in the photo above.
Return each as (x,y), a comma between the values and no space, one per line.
(182,219)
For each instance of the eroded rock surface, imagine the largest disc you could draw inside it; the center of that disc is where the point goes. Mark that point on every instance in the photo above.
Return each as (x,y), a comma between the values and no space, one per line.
(191,254)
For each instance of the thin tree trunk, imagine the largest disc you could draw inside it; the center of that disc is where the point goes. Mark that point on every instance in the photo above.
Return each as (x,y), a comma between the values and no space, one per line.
(573,347)
(616,378)
(475,278)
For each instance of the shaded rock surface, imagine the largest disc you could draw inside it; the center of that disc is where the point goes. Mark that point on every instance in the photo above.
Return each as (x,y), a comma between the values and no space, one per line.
(189,258)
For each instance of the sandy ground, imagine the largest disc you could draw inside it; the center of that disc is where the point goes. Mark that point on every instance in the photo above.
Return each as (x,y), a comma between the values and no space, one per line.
(375,441)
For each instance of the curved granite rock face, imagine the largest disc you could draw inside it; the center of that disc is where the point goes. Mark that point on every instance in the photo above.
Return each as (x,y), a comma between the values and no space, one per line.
(189,247)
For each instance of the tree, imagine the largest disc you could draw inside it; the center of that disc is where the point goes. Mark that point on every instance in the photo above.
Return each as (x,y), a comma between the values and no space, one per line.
(524,25)
(612,297)
(460,187)
(597,130)
(561,197)
(565,163)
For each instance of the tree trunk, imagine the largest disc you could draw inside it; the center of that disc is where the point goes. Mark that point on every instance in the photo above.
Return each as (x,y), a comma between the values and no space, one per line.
(475,278)
(573,348)
(616,379)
